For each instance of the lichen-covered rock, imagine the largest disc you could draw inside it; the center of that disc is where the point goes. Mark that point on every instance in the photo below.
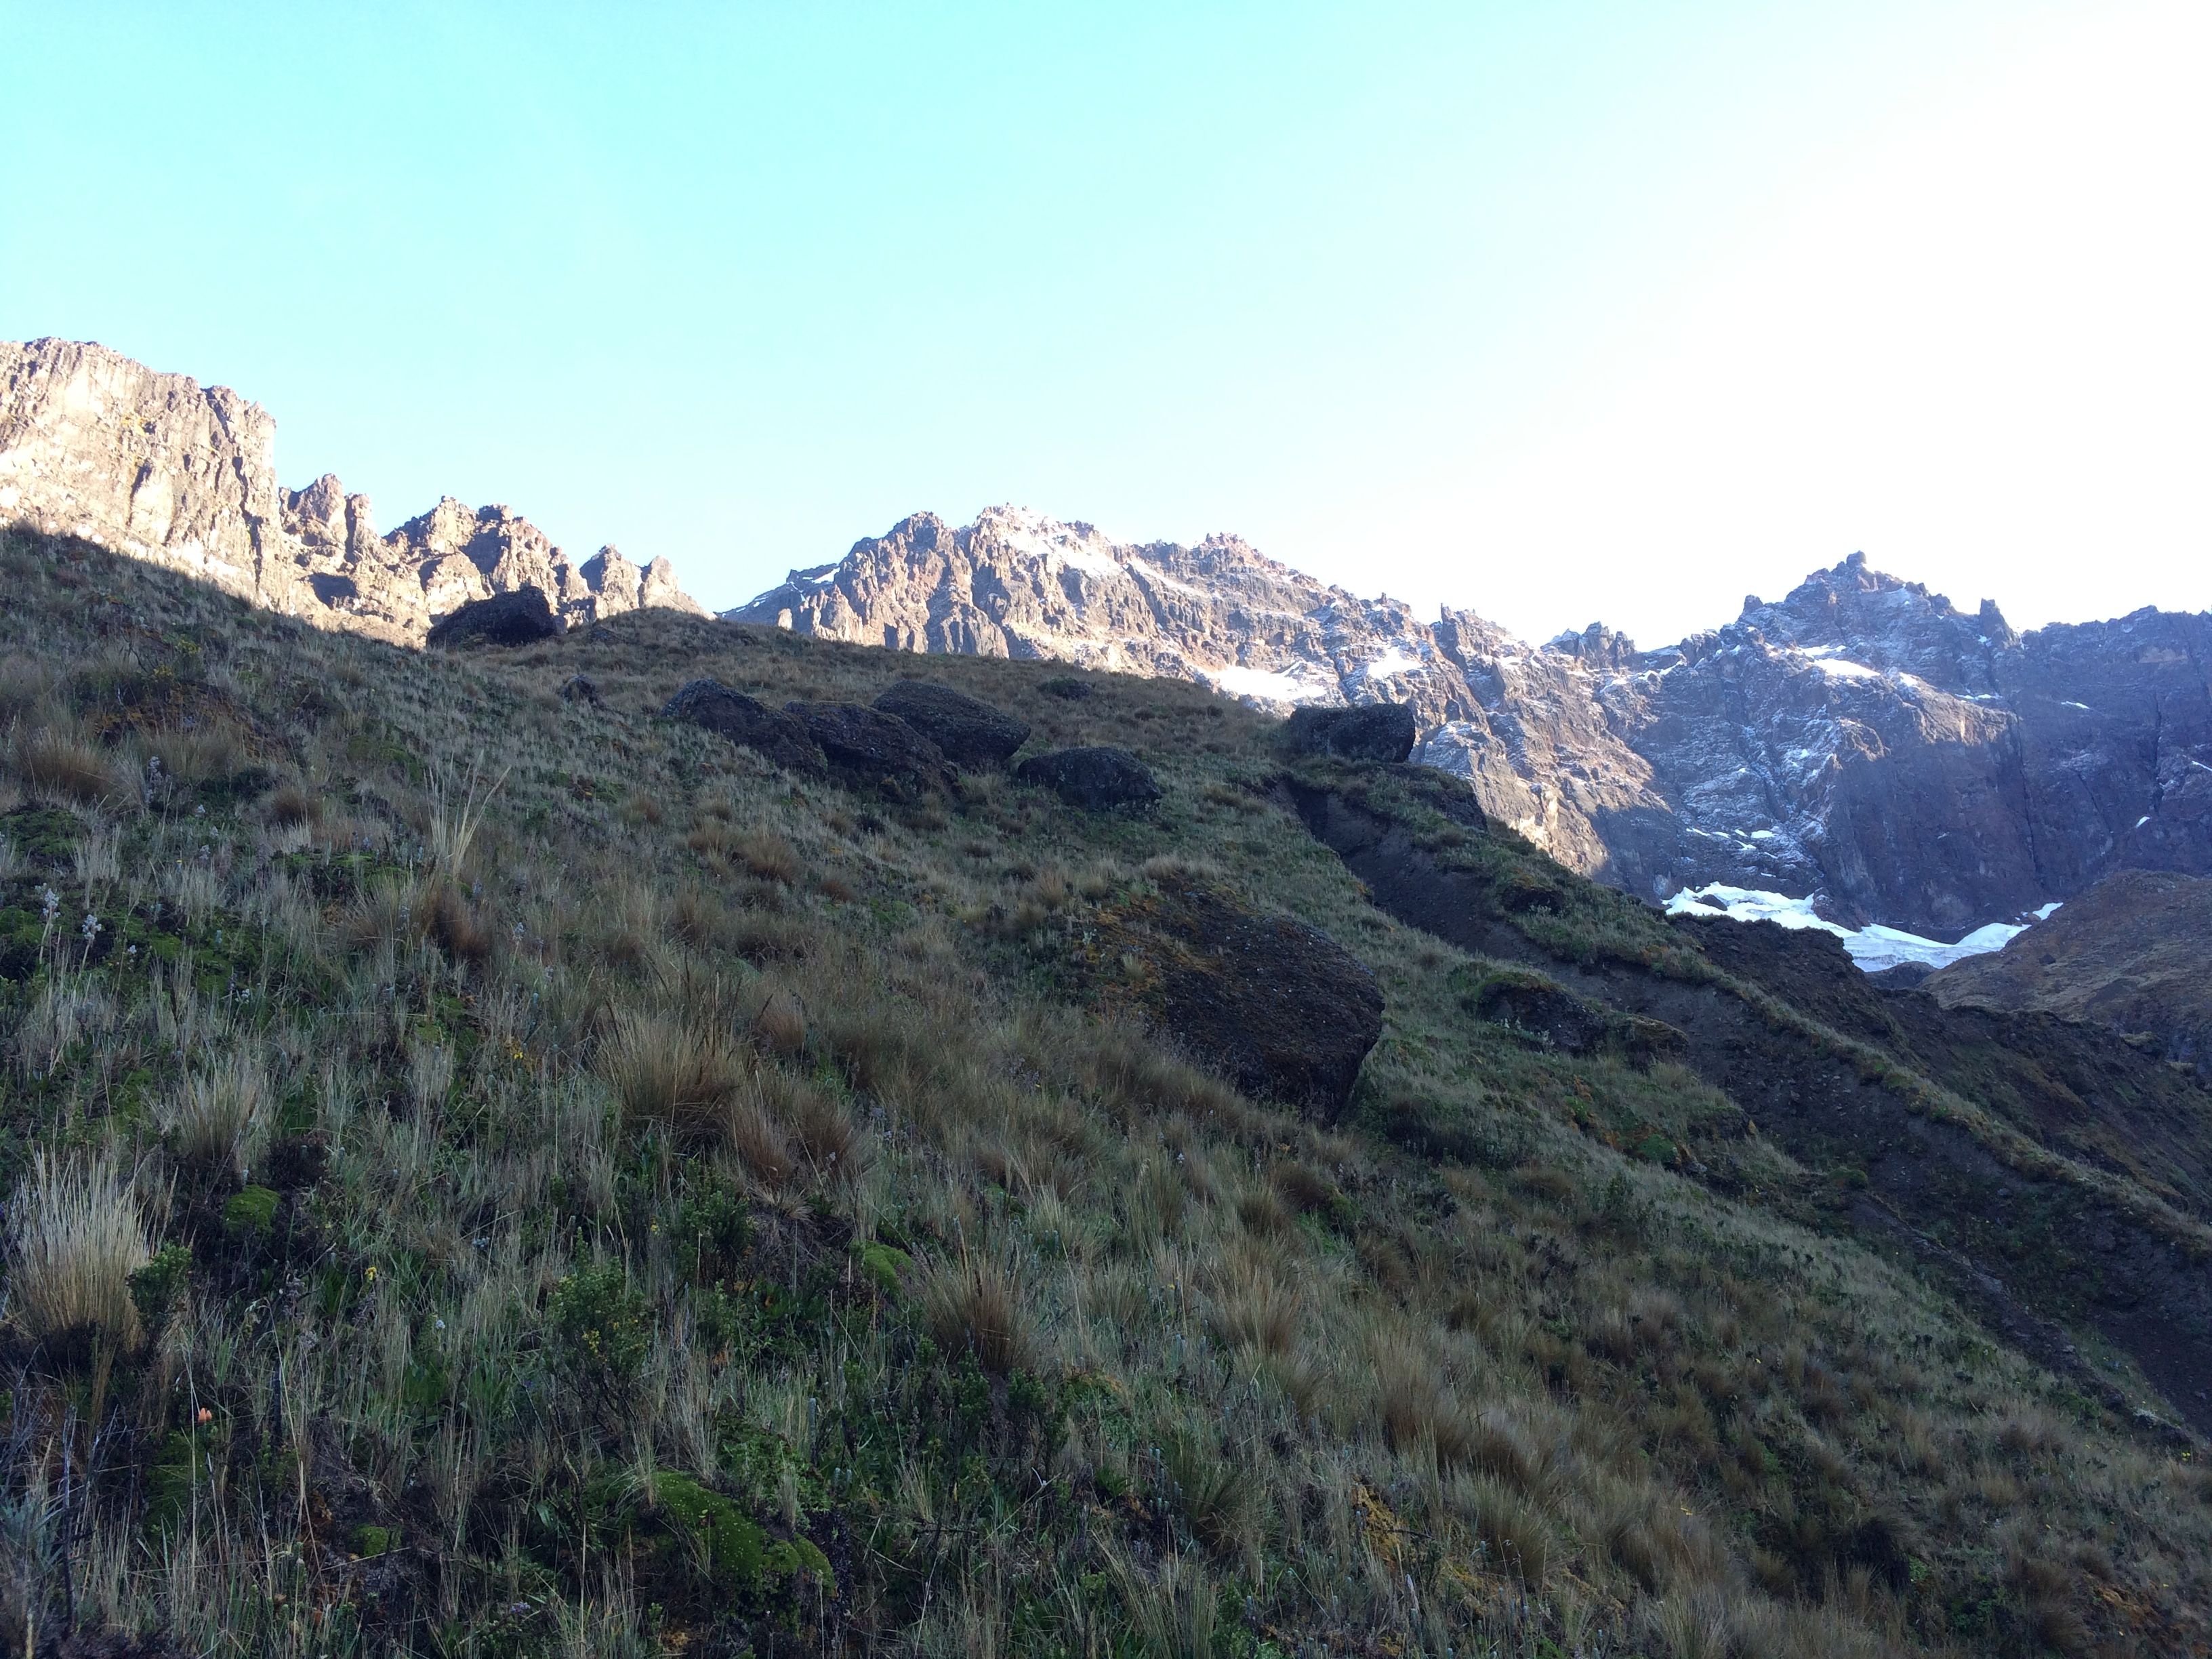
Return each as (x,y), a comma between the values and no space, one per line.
(1098,780)
(522,617)
(1278,1007)
(969,731)
(1370,730)
(713,707)
(872,749)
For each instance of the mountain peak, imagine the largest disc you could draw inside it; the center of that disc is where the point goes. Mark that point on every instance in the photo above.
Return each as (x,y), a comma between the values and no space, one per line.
(156,465)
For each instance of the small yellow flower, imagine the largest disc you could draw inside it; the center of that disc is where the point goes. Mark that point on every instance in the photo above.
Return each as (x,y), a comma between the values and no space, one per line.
(371,1275)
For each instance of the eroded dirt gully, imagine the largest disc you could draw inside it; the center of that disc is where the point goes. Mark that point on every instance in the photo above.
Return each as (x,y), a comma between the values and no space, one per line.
(2032,1255)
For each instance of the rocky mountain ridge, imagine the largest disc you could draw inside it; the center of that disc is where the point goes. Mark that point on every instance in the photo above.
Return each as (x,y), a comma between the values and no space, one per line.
(95,444)
(1861,741)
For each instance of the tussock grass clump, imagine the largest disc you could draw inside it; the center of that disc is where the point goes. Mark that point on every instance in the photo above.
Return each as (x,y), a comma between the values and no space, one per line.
(65,767)
(220,1118)
(290,804)
(75,1237)
(674,1071)
(1210,1491)
(973,1305)
(780,1027)
(1256,1306)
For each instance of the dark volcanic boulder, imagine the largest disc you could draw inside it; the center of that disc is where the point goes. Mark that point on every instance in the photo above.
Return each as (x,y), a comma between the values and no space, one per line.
(1099,780)
(1280,1009)
(969,732)
(1371,731)
(743,720)
(522,617)
(868,747)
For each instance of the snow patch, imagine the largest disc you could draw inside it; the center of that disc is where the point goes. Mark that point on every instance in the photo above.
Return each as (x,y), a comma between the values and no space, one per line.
(1267,684)
(1873,947)
(1154,574)
(2047,912)
(1391,661)
(1049,540)
(1839,668)
(1100,565)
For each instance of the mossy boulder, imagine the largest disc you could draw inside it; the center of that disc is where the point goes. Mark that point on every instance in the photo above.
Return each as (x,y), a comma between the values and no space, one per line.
(1277,1006)
(1371,732)
(969,731)
(251,1213)
(869,749)
(1099,780)
(522,617)
(750,723)
(1544,1011)
(738,1553)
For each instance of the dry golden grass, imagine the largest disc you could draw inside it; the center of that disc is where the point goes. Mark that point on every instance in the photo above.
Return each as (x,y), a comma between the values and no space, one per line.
(780,1027)
(973,1305)
(74,1239)
(671,1070)
(63,768)
(220,1118)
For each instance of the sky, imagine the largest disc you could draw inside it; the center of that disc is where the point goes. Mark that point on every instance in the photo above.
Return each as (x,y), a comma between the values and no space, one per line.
(1558,312)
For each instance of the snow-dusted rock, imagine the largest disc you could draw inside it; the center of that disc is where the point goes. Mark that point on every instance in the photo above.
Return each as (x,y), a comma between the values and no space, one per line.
(1910,765)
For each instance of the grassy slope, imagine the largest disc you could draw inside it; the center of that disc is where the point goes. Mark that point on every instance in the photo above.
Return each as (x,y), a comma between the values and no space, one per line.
(2130,953)
(682,1210)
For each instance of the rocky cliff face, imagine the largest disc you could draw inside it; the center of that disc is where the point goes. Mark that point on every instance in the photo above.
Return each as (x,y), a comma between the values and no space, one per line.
(1861,739)
(158,467)
(1523,725)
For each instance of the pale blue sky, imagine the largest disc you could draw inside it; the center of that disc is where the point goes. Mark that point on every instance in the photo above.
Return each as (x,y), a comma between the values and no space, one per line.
(1554,311)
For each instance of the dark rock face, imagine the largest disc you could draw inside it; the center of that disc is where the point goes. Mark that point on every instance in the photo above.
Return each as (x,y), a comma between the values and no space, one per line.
(1917,765)
(522,617)
(971,731)
(1100,780)
(745,720)
(874,749)
(1374,730)
(1280,1008)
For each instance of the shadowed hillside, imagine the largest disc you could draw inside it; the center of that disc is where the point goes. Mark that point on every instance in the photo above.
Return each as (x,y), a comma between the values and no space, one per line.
(2134,954)
(493,1171)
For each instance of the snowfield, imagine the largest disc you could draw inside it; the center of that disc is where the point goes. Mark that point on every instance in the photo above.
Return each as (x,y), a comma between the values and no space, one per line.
(1874,947)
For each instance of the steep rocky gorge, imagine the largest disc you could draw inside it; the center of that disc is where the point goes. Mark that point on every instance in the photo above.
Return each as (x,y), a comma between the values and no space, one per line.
(1861,739)
(95,445)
